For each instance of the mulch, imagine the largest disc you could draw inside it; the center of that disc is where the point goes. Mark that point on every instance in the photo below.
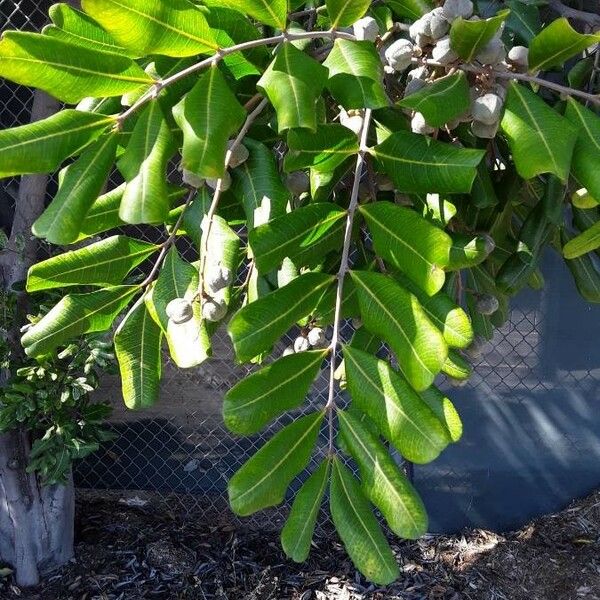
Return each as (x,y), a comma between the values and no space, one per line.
(129,552)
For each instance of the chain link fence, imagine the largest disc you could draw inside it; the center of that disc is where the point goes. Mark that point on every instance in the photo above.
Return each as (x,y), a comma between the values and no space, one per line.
(181,450)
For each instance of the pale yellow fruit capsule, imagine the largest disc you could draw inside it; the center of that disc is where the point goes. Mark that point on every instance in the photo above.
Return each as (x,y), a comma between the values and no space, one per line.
(180,310)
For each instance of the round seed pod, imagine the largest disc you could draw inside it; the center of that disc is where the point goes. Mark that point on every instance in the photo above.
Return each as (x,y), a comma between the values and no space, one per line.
(487,304)
(438,25)
(225,185)
(443,53)
(453,9)
(419,125)
(190,178)
(384,183)
(399,55)
(477,348)
(487,109)
(212,310)
(366,29)
(218,277)
(298,182)
(357,323)
(352,121)
(412,86)
(481,130)
(518,56)
(489,243)
(492,53)
(421,26)
(301,344)
(239,154)
(180,310)
(418,73)
(316,337)
(287,351)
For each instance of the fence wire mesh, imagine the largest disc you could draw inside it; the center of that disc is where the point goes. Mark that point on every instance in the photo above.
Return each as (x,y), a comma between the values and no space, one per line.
(180,448)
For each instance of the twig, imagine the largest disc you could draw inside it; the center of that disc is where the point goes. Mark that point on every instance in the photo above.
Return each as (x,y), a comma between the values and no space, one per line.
(335,338)
(209,218)
(561,89)
(159,85)
(591,19)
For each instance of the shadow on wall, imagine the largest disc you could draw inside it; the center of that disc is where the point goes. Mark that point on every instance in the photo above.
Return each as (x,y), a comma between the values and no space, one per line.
(531,417)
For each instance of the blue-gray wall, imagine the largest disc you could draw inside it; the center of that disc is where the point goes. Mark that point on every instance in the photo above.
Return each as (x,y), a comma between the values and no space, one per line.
(531,417)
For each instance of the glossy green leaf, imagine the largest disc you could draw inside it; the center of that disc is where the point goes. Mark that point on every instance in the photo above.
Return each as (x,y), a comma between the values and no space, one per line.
(304,235)
(583,199)
(345,12)
(144,165)
(556,43)
(467,37)
(75,315)
(585,274)
(170,27)
(450,319)
(137,348)
(324,149)
(396,316)
(257,326)
(356,75)
(420,164)
(445,411)
(42,146)
(264,478)
(70,73)
(277,388)
(208,115)
(583,243)
(524,20)
(297,534)
(456,366)
(468,250)
(75,27)
(102,263)
(269,12)
(293,82)
(382,481)
(189,342)
(81,183)
(257,183)
(440,101)
(400,414)
(586,155)
(410,242)
(541,141)
(358,528)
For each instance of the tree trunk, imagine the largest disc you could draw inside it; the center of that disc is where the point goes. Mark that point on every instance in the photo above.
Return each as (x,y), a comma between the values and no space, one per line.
(36,522)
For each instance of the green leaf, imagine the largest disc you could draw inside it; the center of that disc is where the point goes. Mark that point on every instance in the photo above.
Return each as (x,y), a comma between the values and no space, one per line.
(324,150)
(103,263)
(524,20)
(170,27)
(409,242)
(293,82)
(208,115)
(393,314)
(269,12)
(264,478)
(81,183)
(411,9)
(75,315)
(382,481)
(403,418)
(304,235)
(456,366)
(75,27)
(556,43)
(583,243)
(541,141)
(144,165)
(277,388)
(445,411)
(467,38)
(258,185)
(345,12)
(356,75)
(42,146)
(586,155)
(420,164)
(442,100)
(467,251)
(189,342)
(137,348)
(358,528)
(450,319)
(257,326)
(69,73)
(585,274)
(297,534)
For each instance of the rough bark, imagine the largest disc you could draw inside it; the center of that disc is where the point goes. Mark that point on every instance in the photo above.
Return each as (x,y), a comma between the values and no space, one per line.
(36,522)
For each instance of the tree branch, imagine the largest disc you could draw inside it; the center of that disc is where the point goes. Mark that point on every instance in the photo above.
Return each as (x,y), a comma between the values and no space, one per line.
(591,19)
(335,338)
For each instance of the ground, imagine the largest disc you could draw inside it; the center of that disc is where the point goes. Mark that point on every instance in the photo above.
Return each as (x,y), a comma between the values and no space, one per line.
(126,551)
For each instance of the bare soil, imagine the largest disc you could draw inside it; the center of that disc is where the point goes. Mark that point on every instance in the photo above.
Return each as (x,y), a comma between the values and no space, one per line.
(128,552)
